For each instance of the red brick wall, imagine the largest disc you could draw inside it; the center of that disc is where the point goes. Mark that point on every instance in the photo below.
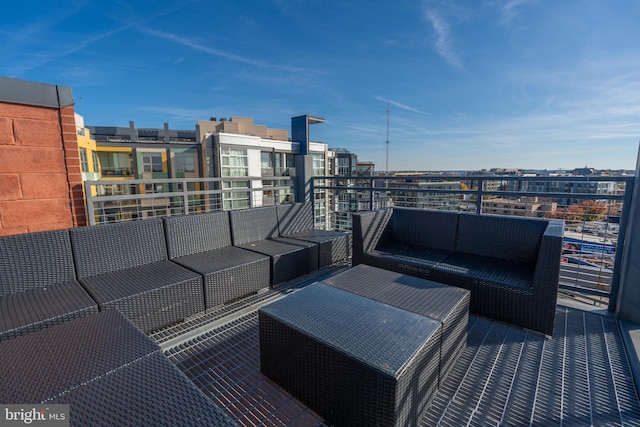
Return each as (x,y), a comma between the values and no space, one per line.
(40,181)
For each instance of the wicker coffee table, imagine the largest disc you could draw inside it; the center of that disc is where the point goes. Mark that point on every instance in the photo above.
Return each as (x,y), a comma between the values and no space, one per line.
(447,304)
(352,359)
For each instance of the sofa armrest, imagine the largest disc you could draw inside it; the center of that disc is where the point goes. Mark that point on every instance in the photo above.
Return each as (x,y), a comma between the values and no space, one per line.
(369,230)
(545,277)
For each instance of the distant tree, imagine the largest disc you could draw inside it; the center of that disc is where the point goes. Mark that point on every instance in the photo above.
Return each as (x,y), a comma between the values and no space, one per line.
(587,210)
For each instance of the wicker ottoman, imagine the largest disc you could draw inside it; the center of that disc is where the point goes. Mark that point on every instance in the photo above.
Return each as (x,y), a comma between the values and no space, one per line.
(353,360)
(447,304)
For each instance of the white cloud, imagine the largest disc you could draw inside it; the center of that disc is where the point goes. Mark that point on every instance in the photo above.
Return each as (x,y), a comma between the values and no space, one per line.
(443,40)
(35,60)
(510,10)
(211,51)
(402,106)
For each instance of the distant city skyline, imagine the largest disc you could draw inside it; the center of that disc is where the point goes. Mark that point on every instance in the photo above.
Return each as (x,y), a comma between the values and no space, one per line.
(471,85)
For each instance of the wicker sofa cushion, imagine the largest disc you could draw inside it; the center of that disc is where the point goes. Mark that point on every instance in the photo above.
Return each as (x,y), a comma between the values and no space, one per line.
(512,239)
(35,309)
(33,260)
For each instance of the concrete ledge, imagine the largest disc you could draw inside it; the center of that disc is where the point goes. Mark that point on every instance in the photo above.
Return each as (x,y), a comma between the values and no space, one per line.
(25,92)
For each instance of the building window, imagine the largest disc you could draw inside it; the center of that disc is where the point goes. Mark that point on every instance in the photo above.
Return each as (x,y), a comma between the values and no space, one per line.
(152,163)
(115,164)
(234,162)
(185,163)
(96,162)
(291,160)
(84,161)
(265,160)
(266,163)
(344,168)
(235,199)
(318,164)
(153,188)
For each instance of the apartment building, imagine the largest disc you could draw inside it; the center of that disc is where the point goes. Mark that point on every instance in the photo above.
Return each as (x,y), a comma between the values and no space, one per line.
(417,194)
(563,186)
(239,148)
(524,206)
(128,153)
(147,153)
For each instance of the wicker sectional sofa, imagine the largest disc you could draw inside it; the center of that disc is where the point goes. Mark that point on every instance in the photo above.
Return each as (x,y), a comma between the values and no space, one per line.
(156,271)
(510,265)
(75,306)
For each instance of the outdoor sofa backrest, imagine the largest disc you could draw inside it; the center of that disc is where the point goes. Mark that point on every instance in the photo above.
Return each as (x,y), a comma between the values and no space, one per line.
(513,239)
(252,225)
(197,233)
(431,229)
(34,260)
(295,217)
(111,247)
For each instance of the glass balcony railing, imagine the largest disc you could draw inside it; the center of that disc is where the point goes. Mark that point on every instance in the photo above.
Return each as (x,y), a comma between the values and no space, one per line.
(126,200)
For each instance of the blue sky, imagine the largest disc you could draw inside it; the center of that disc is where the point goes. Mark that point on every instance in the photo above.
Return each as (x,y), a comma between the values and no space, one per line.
(470,84)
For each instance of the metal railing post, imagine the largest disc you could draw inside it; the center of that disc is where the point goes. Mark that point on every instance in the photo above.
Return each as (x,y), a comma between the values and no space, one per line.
(185,198)
(371,187)
(624,218)
(479,195)
(91,214)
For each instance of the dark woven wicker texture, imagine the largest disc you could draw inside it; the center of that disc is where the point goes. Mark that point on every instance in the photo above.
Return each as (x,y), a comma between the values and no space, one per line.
(37,283)
(481,268)
(294,217)
(229,273)
(251,225)
(34,309)
(109,247)
(370,229)
(521,293)
(35,260)
(354,360)
(447,304)
(288,259)
(192,234)
(296,221)
(510,265)
(152,295)
(405,259)
(429,229)
(202,243)
(333,246)
(43,364)
(512,239)
(257,230)
(147,392)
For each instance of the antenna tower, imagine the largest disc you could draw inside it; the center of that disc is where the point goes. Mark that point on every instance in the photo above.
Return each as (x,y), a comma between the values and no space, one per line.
(387,143)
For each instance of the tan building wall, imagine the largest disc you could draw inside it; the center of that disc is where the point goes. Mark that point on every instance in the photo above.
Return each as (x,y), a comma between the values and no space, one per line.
(530,207)
(40,180)
(240,126)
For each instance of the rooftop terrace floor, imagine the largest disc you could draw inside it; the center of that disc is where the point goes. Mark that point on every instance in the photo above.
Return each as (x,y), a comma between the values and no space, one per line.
(506,376)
